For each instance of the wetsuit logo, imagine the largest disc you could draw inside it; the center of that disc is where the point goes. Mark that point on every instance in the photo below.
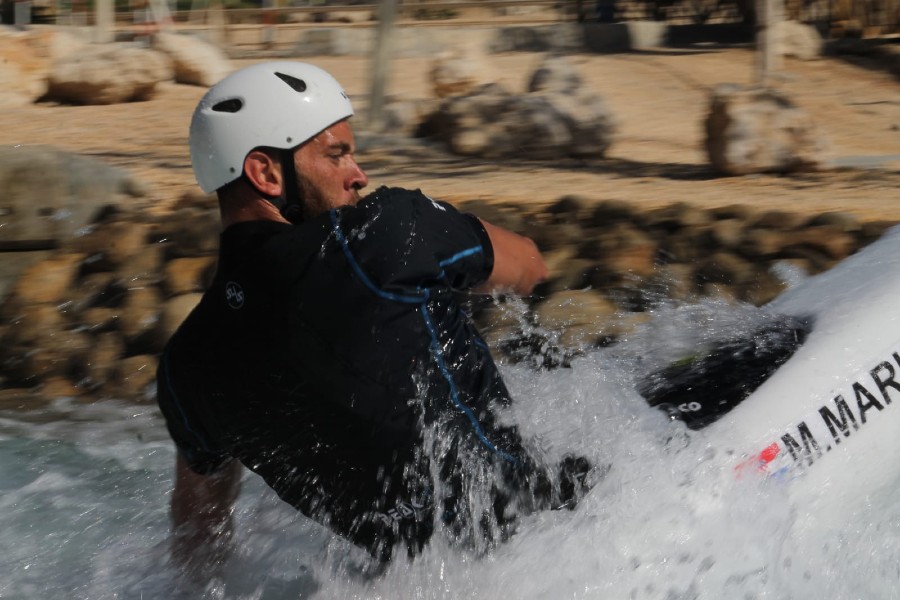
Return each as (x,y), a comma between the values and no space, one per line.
(234,295)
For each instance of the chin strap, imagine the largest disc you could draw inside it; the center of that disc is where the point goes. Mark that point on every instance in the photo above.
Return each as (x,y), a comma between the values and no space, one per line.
(290,204)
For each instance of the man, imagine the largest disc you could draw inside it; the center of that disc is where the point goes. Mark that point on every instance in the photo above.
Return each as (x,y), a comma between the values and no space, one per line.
(330,355)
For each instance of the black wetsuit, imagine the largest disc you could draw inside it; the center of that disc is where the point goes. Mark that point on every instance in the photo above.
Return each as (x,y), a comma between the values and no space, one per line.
(333,359)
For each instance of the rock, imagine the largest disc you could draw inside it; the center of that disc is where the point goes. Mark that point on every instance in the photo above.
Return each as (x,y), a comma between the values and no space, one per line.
(840,220)
(549,238)
(589,123)
(556,74)
(112,245)
(566,271)
(580,318)
(727,233)
(137,376)
(872,230)
(12,264)
(781,220)
(817,260)
(676,217)
(406,116)
(733,211)
(194,60)
(634,259)
(725,268)
(187,275)
(176,310)
(56,352)
(72,316)
(99,319)
(139,317)
(671,282)
(62,43)
(799,40)
(569,209)
(758,131)
(108,74)
(832,241)
(762,288)
(50,195)
(32,323)
(552,122)
(143,268)
(625,250)
(58,387)
(48,282)
(96,290)
(20,398)
(102,360)
(24,67)
(764,243)
(454,73)
(189,232)
(610,213)
(680,247)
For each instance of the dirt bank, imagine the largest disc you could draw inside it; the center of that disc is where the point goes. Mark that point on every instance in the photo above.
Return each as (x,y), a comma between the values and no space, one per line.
(659,98)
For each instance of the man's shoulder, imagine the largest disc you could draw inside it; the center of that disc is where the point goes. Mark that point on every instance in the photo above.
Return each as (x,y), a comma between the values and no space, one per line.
(396,195)
(399,205)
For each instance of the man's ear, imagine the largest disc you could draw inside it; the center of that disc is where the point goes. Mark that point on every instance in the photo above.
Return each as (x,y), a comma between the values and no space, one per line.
(264,173)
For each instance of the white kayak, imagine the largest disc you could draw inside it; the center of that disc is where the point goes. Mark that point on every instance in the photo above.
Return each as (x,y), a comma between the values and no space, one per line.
(826,422)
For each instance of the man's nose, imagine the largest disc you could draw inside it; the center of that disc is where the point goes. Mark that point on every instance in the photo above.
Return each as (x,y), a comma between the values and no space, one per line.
(358,179)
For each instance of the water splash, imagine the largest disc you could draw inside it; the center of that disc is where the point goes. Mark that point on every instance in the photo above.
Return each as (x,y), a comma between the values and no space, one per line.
(85,499)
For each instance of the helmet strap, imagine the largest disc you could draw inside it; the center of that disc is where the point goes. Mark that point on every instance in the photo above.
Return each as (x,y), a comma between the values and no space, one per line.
(290,204)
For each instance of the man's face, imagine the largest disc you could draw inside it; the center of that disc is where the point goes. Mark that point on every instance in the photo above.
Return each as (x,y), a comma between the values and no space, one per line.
(328,175)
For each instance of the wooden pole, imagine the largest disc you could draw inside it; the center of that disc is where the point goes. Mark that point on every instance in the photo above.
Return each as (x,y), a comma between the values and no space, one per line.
(387,13)
(215,17)
(769,14)
(104,17)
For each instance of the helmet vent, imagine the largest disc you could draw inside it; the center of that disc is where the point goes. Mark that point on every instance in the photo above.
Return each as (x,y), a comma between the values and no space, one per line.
(231,105)
(298,85)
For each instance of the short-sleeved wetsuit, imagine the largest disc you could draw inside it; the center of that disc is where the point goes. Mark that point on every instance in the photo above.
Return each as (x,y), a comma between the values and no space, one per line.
(322,352)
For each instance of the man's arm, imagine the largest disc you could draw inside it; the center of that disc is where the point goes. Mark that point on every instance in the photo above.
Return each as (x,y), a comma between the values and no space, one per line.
(201,516)
(518,265)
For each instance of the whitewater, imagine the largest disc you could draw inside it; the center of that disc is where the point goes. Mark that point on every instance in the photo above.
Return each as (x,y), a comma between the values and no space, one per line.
(84,491)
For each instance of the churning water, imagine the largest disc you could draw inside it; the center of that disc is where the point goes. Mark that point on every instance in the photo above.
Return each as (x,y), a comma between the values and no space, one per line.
(84,507)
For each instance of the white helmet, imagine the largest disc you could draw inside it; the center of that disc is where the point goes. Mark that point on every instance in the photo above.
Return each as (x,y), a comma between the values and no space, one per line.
(273,104)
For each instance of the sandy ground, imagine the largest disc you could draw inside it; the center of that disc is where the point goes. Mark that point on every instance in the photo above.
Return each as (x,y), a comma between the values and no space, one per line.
(659,98)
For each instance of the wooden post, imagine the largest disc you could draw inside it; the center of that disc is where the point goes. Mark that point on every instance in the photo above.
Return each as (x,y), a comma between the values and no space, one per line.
(387,13)
(769,14)
(215,17)
(104,18)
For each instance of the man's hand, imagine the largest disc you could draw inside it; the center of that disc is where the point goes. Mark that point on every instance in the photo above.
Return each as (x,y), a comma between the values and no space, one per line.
(518,265)
(201,518)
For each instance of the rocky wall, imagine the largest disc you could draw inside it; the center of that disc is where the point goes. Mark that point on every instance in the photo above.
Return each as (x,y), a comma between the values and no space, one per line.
(90,319)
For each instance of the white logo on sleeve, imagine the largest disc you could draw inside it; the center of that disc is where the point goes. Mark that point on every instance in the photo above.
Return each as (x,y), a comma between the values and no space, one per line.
(234,295)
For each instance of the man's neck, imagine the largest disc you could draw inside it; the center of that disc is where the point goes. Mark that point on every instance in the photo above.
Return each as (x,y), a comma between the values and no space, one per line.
(257,209)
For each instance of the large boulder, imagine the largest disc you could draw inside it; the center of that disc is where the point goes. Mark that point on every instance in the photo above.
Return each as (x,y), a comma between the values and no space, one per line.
(799,40)
(52,195)
(455,73)
(752,130)
(108,74)
(24,66)
(195,61)
(557,117)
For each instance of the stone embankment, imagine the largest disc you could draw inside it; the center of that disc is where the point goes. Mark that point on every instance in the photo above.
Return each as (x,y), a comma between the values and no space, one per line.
(90,320)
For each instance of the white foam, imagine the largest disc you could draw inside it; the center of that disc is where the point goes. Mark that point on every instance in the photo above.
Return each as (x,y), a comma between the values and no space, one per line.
(85,510)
